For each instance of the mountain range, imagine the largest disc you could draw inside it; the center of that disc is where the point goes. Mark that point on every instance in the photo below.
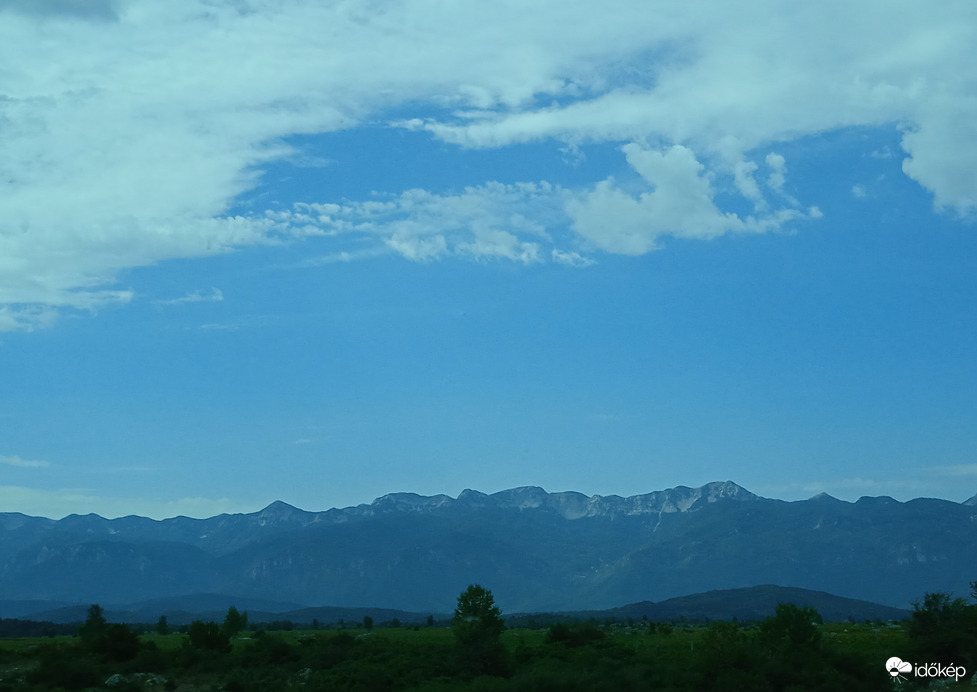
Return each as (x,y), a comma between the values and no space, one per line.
(537,551)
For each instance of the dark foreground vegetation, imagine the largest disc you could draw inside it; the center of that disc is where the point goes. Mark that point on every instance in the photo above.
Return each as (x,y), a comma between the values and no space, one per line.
(793,650)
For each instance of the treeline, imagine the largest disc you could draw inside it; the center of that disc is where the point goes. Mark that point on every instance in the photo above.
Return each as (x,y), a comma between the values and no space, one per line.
(792,650)
(12,628)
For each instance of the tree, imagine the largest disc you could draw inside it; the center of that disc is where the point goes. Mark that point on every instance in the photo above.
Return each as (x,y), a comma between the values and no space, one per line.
(476,616)
(944,629)
(367,622)
(111,642)
(793,627)
(208,636)
(234,622)
(575,634)
(478,624)
(162,627)
(94,627)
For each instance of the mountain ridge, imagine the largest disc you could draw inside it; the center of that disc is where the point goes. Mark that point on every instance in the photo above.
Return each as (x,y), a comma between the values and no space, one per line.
(745,604)
(536,550)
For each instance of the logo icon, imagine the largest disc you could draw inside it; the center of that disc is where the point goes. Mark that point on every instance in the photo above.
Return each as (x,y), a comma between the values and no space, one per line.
(896,667)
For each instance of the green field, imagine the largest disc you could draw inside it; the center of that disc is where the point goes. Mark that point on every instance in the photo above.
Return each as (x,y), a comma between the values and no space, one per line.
(590,657)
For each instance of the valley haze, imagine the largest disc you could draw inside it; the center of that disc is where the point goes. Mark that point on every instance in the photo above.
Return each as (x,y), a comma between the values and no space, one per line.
(537,551)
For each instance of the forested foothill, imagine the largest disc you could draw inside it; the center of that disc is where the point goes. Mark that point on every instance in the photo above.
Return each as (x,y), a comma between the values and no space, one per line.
(791,650)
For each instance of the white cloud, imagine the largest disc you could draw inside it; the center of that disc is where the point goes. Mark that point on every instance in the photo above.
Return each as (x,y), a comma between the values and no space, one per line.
(22,463)
(344,257)
(778,171)
(215,295)
(128,129)
(730,78)
(571,259)
(958,470)
(680,203)
(26,317)
(942,156)
(858,191)
(852,488)
(525,222)
(745,182)
(56,504)
(491,221)
(489,243)
(85,9)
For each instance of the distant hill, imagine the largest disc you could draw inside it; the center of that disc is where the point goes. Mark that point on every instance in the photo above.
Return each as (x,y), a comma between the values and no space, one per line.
(537,551)
(747,605)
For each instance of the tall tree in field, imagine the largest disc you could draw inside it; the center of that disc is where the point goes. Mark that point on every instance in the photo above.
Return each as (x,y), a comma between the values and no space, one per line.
(94,627)
(235,622)
(478,624)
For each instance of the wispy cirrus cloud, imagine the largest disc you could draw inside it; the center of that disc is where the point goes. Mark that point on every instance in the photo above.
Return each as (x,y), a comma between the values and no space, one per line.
(19,462)
(958,470)
(212,296)
(61,502)
(936,481)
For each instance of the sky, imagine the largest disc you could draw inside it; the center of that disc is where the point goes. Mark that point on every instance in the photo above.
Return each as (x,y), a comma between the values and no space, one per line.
(258,250)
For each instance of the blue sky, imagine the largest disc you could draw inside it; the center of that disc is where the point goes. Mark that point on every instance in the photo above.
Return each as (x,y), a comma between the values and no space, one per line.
(318,252)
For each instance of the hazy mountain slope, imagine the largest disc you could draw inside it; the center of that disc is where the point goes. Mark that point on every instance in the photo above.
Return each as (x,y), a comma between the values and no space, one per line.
(746,604)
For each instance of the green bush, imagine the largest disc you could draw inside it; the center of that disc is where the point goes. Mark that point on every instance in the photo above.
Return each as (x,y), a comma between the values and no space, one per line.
(65,667)
(575,634)
(208,636)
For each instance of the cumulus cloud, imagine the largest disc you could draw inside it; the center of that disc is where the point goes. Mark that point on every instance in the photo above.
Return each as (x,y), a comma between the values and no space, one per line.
(747,185)
(941,157)
(124,143)
(778,171)
(680,203)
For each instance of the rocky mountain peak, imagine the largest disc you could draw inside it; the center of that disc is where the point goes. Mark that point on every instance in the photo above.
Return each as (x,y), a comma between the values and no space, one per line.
(408,502)
(279,512)
(725,490)
(824,497)
(525,497)
(278,508)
